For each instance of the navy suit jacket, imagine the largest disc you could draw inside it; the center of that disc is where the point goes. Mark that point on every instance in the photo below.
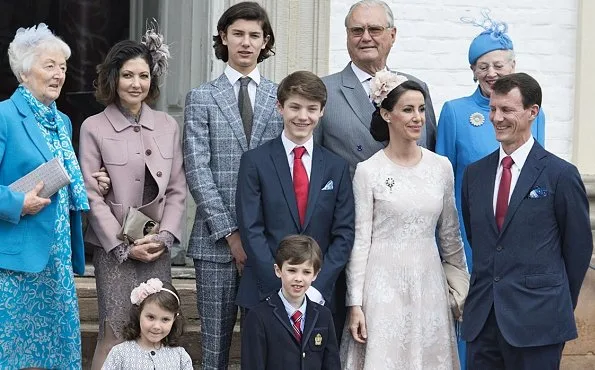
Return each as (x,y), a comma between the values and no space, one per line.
(268,341)
(531,272)
(267,212)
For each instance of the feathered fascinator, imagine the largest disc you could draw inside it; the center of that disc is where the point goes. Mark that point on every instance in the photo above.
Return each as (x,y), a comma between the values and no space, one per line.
(383,83)
(29,37)
(494,36)
(159,50)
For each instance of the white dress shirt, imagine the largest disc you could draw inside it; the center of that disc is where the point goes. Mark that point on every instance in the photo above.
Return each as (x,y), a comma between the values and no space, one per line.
(234,79)
(313,293)
(519,157)
(290,309)
(363,77)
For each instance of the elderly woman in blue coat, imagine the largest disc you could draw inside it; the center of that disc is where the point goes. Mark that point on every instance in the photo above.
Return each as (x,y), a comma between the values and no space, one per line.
(465,133)
(41,237)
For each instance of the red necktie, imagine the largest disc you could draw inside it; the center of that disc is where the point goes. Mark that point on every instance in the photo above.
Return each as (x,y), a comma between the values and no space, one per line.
(296,321)
(300,182)
(503,191)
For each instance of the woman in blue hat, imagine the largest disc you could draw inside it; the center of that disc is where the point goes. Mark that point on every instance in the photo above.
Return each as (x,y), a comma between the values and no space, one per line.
(465,133)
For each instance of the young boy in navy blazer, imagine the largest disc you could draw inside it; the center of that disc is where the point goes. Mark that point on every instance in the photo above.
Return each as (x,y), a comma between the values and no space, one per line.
(288,331)
(290,185)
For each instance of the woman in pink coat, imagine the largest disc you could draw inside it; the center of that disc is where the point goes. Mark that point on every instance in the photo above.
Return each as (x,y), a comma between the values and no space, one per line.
(140,149)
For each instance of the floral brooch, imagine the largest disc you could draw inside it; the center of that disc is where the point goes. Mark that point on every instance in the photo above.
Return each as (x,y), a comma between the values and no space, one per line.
(477,119)
(390,182)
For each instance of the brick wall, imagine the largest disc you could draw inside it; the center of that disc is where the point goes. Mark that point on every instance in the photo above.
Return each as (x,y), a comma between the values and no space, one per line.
(432,44)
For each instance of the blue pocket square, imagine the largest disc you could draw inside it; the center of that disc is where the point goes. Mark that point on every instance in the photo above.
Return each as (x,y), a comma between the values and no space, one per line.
(538,192)
(328,186)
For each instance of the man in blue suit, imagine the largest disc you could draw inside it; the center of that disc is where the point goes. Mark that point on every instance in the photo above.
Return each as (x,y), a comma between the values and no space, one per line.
(289,185)
(527,220)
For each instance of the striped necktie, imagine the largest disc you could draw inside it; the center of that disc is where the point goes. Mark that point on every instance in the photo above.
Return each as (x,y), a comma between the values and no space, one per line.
(296,320)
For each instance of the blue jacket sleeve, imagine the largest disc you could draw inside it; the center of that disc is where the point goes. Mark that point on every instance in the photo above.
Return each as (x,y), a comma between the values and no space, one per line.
(538,128)
(447,135)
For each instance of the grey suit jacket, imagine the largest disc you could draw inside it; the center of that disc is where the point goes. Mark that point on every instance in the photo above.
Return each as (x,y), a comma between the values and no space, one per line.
(213,144)
(344,128)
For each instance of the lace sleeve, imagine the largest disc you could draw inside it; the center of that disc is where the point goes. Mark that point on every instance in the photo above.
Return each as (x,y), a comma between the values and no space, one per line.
(166,238)
(121,252)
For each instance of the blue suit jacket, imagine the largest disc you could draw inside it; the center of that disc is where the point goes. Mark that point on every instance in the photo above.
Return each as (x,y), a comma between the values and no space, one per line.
(267,212)
(26,240)
(268,341)
(531,271)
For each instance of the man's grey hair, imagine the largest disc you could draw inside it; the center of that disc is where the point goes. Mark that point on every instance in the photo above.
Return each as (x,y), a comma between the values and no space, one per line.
(390,19)
(28,44)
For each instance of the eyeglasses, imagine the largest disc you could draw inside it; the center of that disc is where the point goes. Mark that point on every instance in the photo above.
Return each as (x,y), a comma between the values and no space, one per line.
(497,66)
(373,31)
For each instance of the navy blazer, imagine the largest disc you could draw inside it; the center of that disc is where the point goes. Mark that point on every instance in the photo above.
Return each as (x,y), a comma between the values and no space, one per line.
(26,240)
(531,271)
(267,212)
(268,341)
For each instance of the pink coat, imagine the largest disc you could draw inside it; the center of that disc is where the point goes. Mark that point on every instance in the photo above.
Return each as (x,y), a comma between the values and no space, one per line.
(108,139)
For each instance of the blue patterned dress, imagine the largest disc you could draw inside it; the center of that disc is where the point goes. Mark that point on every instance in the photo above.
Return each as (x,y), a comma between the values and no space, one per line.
(39,317)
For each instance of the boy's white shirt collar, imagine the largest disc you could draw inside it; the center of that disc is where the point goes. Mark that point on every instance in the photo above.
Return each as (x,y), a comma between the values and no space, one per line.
(233,76)
(289,309)
(290,145)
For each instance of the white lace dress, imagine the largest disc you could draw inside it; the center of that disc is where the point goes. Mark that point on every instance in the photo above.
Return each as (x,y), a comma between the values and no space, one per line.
(395,270)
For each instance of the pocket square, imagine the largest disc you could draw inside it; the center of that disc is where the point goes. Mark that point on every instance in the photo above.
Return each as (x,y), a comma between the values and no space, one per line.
(328,186)
(538,192)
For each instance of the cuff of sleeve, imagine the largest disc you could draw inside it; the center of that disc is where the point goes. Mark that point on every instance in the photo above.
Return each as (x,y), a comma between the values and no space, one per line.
(121,252)
(166,238)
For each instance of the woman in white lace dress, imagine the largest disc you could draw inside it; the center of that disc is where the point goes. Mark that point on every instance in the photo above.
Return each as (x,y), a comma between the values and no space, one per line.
(400,316)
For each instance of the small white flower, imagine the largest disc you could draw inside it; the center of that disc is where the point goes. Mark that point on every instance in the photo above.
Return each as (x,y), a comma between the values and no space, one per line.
(477,119)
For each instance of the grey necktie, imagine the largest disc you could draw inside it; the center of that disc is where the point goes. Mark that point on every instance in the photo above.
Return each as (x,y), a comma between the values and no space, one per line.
(245,107)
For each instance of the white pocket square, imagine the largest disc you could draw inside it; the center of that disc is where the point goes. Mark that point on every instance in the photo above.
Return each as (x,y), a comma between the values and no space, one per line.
(328,186)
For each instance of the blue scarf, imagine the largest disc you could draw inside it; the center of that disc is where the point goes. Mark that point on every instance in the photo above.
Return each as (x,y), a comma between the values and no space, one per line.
(49,119)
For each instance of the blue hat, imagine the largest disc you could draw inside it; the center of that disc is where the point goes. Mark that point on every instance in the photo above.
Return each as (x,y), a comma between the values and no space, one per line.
(493,38)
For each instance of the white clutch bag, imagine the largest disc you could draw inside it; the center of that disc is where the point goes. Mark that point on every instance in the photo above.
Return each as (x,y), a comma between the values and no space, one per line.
(52,173)
(458,287)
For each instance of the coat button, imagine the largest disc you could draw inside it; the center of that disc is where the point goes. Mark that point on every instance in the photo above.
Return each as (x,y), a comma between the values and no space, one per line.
(161,200)
(159,173)
(136,129)
(497,279)
(148,152)
(499,248)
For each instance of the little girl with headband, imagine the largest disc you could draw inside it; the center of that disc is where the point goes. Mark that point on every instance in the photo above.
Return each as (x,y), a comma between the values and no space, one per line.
(156,324)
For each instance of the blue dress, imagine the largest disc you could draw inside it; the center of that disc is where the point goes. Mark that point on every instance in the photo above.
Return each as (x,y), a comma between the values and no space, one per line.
(39,317)
(465,135)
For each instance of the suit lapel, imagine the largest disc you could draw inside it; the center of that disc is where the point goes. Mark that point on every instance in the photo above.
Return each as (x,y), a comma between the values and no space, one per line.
(489,174)
(225,98)
(279,159)
(311,319)
(356,96)
(316,177)
(529,174)
(281,314)
(263,109)
(30,124)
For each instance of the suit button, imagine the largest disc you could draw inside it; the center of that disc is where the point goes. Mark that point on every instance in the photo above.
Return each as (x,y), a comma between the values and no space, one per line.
(136,129)
(499,248)
(161,200)
(159,173)
(497,279)
(148,152)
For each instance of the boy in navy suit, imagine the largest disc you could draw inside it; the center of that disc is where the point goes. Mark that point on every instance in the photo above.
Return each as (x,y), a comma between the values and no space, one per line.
(288,331)
(288,186)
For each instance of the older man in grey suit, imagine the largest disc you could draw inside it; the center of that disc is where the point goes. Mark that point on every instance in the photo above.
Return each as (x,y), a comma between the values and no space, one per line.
(223,119)
(345,127)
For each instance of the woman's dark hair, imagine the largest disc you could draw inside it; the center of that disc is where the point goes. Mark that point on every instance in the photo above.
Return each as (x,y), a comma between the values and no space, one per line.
(250,11)
(108,72)
(167,302)
(378,126)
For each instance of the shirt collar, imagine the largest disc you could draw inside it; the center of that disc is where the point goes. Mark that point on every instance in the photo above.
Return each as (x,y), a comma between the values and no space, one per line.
(520,155)
(289,308)
(290,145)
(233,76)
(360,74)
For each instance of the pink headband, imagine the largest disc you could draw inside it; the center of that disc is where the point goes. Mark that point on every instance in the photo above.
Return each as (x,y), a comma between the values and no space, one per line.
(152,286)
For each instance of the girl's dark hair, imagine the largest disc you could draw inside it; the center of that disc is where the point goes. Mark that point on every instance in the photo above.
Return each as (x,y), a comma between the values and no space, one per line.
(167,302)
(378,126)
(108,72)
(250,11)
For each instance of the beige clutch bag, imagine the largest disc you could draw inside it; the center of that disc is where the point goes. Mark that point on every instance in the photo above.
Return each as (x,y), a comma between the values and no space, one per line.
(458,287)
(136,225)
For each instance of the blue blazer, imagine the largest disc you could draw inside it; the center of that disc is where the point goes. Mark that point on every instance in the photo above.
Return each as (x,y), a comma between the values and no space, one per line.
(26,240)
(532,271)
(267,212)
(268,341)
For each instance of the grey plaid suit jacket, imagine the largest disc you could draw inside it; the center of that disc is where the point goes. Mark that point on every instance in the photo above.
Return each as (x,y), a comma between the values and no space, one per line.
(214,142)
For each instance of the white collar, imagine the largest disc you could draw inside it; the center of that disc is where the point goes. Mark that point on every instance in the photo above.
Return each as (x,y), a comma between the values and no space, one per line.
(289,308)
(520,155)
(361,74)
(233,76)
(290,145)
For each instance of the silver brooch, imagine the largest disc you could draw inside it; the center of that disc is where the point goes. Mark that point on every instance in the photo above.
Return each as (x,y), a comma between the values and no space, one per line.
(390,182)
(477,119)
